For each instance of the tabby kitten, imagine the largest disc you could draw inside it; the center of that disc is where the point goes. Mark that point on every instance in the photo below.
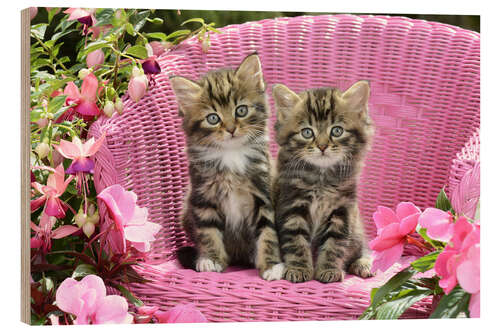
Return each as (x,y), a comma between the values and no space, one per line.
(323,135)
(228,211)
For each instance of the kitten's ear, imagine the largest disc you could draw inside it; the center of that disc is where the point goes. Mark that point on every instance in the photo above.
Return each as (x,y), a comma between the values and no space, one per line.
(186,91)
(250,72)
(285,100)
(357,96)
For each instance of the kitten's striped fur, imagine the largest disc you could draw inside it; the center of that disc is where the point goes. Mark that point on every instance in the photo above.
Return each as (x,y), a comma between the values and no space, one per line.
(228,210)
(320,229)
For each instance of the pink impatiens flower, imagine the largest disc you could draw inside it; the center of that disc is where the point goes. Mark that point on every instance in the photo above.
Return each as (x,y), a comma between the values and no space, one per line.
(80,153)
(439,224)
(87,300)
(56,185)
(392,233)
(185,313)
(86,98)
(459,262)
(44,233)
(131,221)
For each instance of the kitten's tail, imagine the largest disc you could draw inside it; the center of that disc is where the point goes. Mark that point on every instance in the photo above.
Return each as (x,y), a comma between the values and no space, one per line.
(187,256)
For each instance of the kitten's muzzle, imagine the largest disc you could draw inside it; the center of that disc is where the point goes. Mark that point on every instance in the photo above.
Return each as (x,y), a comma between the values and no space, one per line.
(322,148)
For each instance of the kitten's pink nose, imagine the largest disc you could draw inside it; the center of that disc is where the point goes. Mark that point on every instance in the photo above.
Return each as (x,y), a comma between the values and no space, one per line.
(231,130)
(322,148)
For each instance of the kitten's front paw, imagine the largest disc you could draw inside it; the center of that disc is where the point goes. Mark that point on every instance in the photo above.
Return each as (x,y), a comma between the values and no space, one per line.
(298,274)
(208,265)
(329,275)
(274,273)
(361,267)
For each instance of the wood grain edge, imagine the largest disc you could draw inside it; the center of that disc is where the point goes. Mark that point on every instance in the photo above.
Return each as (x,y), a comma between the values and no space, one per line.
(25,168)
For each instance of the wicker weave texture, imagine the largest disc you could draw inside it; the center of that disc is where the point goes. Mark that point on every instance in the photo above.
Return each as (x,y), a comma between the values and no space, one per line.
(425,104)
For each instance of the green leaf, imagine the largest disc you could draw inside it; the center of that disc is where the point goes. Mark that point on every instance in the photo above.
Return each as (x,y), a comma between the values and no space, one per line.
(56,103)
(199,20)
(436,244)
(395,282)
(157,35)
(140,19)
(178,33)
(60,34)
(451,305)
(138,51)
(156,20)
(52,12)
(442,201)
(96,46)
(130,29)
(213,29)
(47,284)
(129,296)
(83,270)
(38,30)
(104,16)
(426,262)
(394,309)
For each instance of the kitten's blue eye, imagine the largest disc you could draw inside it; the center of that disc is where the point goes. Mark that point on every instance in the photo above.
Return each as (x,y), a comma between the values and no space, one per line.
(337,131)
(213,119)
(241,111)
(307,133)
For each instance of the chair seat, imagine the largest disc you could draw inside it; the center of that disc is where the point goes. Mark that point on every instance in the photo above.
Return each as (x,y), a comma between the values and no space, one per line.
(239,294)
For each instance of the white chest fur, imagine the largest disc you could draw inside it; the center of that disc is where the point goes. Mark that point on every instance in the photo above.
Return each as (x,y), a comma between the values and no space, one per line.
(234,158)
(237,207)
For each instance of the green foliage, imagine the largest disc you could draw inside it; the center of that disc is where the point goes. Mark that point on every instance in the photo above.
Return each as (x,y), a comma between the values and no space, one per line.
(442,201)
(451,305)
(426,262)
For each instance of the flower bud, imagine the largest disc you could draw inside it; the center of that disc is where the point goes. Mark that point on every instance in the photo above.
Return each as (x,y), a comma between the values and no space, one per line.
(91,209)
(95,58)
(82,74)
(109,108)
(205,45)
(42,122)
(136,71)
(138,84)
(88,229)
(42,149)
(119,105)
(80,218)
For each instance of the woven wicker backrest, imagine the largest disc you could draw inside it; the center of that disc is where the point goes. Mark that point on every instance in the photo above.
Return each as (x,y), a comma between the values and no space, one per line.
(425,104)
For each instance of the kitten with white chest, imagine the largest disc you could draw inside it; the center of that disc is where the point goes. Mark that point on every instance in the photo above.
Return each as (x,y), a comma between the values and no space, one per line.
(323,136)
(228,211)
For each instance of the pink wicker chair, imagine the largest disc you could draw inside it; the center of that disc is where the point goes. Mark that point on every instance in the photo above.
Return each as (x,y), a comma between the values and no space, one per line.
(425,104)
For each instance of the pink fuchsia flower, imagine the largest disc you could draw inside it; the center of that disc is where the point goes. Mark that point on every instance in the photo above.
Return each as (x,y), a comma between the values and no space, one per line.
(33,12)
(85,17)
(392,233)
(80,153)
(87,300)
(56,185)
(95,58)
(151,66)
(85,99)
(456,253)
(131,221)
(138,84)
(98,30)
(439,224)
(186,313)
(44,233)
